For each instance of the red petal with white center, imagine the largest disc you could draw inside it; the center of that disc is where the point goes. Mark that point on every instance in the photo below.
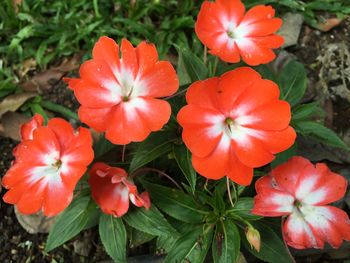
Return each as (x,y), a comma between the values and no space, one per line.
(313,186)
(139,117)
(71,174)
(259,28)
(261,92)
(107,50)
(28,128)
(129,58)
(257,13)
(98,87)
(216,164)
(233,84)
(154,112)
(147,56)
(275,141)
(160,80)
(63,130)
(113,198)
(271,41)
(57,197)
(238,172)
(329,224)
(200,125)
(272,202)
(141,200)
(251,152)
(298,234)
(202,93)
(254,54)
(274,116)
(32,199)
(227,51)
(98,119)
(221,14)
(287,175)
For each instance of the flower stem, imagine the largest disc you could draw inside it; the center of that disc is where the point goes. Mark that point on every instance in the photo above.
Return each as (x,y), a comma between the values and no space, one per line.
(214,67)
(59,109)
(229,191)
(36,108)
(205,55)
(148,169)
(123,153)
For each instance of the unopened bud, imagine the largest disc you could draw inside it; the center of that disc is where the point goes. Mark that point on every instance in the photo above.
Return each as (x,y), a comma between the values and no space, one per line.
(253,237)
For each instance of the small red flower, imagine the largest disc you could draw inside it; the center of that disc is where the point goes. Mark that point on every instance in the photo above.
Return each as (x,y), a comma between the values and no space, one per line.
(230,33)
(112,189)
(235,123)
(49,163)
(119,95)
(302,192)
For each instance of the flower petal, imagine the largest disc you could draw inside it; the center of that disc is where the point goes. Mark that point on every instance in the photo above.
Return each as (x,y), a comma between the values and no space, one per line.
(216,164)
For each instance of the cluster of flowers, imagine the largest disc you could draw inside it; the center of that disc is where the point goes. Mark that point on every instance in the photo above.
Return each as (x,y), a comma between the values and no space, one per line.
(239,116)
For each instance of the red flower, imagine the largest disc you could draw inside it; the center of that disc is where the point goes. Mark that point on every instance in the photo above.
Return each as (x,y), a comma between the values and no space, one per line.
(49,162)
(301,191)
(119,96)
(235,123)
(230,33)
(111,188)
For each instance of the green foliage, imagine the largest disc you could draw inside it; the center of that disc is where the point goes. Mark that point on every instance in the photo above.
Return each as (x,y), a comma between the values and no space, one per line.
(81,214)
(190,67)
(321,133)
(293,82)
(176,203)
(156,145)
(150,221)
(242,209)
(192,246)
(226,243)
(183,159)
(113,236)
(272,248)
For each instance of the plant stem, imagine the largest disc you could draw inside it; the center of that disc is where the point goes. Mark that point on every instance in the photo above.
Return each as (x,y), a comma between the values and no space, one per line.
(229,191)
(205,55)
(148,169)
(214,67)
(59,109)
(176,94)
(36,108)
(123,153)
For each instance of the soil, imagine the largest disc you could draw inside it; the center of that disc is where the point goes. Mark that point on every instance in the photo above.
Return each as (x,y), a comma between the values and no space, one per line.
(17,245)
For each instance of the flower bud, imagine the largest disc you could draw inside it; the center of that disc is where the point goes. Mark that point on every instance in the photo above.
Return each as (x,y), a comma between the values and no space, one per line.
(253,237)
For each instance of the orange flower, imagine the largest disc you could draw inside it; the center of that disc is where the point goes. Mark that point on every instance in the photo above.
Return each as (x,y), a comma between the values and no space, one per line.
(230,33)
(119,96)
(112,189)
(49,163)
(235,123)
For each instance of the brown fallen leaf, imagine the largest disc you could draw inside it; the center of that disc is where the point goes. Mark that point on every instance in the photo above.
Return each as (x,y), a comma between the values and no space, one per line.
(328,24)
(11,123)
(14,101)
(16,4)
(28,65)
(45,80)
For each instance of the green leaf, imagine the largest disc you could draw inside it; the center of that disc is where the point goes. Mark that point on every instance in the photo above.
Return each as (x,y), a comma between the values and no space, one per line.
(192,67)
(305,111)
(226,243)
(81,214)
(272,247)
(102,146)
(293,82)
(176,203)
(320,133)
(156,145)
(150,221)
(284,156)
(191,247)
(113,236)
(243,208)
(183,159)
(138,238)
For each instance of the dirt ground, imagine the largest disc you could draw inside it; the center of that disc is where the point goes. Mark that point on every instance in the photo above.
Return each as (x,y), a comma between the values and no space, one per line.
(320,52)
